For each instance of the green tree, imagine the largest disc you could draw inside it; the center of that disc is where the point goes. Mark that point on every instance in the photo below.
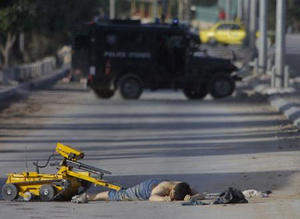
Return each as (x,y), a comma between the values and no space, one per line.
(56,19)
(293,14)
(47,24)
(15,16)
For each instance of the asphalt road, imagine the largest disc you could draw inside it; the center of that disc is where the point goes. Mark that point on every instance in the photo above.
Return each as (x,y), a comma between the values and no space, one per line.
(238,141)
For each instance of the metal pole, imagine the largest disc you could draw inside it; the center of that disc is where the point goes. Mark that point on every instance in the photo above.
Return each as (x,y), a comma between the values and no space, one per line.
(280,42)
(240,9)
(21,42)
(228,9)
(142,10)
(253,22)
(155,9)
(1,59)
(132,8)
(246,19)
(164,6)
(180,10)
(1,73)
(286,77)
(112,9)
(186,10)
(263,45)
(246,9)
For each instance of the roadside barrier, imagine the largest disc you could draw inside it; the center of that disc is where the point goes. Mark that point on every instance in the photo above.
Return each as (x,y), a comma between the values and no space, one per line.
(32,70)
(26,72)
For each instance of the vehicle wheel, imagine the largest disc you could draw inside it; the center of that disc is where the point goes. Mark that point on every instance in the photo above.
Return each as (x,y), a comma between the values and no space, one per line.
(212,41)
(130,87)
(28,196)
(9,192)
(104,93)
(221,86)
(195,94)
(47,192)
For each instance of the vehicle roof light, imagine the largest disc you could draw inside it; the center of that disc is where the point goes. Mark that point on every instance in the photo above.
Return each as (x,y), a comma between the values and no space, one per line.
(175,21)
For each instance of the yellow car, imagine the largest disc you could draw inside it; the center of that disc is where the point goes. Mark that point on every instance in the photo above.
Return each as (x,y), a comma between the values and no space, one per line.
(225,32)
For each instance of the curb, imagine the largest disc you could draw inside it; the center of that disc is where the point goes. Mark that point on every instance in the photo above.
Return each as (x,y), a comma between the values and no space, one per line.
(289,108)
(7,93)
(277,99)
(44,81)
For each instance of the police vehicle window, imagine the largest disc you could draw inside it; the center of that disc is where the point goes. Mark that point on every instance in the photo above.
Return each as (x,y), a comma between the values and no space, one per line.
(121,40)
(81,41)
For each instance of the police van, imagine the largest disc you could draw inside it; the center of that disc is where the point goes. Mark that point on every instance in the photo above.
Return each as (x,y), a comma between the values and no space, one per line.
(126,57)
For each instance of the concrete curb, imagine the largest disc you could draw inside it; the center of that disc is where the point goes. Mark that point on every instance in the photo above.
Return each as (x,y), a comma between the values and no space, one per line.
(289,108)
(277,99)
(39,83)
(7,93)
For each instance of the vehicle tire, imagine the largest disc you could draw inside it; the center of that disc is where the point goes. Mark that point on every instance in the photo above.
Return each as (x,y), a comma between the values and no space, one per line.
(221,86)
(28,196)
(104,93)
(195,94)
(47,192)
(9,192)
(130,87)
(212,41)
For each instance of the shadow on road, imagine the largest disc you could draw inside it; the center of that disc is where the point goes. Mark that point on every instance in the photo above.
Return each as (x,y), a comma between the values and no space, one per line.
(160,147)
(152,115)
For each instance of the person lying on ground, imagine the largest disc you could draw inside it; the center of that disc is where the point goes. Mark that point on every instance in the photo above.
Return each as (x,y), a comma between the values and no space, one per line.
(152,190)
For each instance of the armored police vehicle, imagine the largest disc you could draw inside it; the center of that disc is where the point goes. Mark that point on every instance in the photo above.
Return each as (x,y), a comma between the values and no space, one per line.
(126,57)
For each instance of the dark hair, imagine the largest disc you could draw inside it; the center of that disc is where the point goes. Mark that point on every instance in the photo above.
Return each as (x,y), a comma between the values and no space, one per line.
(181,190)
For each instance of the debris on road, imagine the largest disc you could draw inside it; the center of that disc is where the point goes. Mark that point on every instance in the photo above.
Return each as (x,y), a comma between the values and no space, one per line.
(230,196)
(252,193)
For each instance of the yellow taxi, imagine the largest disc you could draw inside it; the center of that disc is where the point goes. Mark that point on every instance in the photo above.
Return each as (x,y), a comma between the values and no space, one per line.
(225,32)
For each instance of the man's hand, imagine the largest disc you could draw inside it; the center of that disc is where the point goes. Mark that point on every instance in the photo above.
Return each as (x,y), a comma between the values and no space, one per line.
(82,198)
(167,198)
(198,196)
(160,198)
(187,198)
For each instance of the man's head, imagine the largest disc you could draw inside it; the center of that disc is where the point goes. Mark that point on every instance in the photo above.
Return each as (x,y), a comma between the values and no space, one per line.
(181,190)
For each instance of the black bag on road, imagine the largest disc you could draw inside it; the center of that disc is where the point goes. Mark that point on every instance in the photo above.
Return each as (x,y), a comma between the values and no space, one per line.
(231,196)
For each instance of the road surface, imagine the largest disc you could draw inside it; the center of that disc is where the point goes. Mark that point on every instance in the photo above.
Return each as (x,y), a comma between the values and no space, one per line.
(238,141)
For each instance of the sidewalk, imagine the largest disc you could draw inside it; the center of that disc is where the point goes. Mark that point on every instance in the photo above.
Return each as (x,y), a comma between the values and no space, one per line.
(286,101)
(10,91)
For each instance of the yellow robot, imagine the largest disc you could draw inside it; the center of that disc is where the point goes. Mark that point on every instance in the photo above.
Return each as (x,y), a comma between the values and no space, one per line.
(59,186)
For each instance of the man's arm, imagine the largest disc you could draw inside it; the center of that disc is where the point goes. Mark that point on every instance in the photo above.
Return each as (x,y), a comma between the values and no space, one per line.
(194,196)
(158,198)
